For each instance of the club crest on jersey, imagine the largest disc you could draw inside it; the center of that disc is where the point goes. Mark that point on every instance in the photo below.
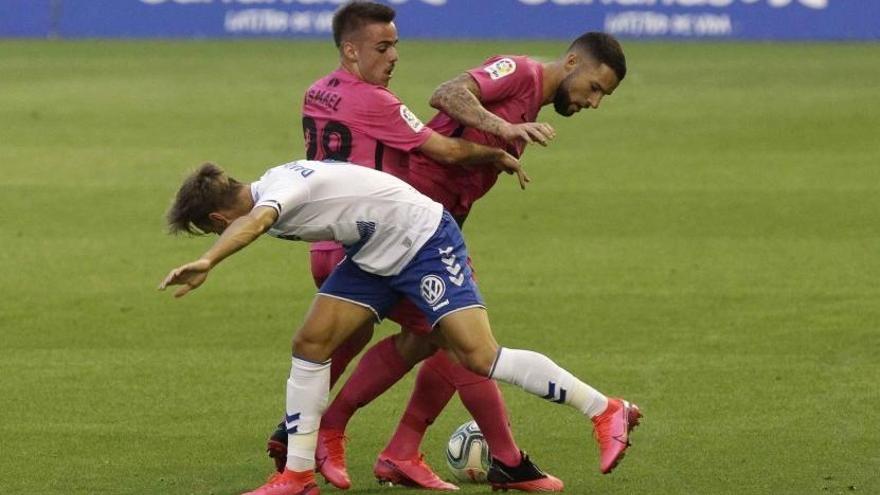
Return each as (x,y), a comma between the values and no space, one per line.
(410,118)
(433,289)
(501,68)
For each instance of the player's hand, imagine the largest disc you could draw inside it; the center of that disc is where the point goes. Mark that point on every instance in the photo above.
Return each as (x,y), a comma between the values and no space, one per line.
(510,165)
(190,276)
(530,132)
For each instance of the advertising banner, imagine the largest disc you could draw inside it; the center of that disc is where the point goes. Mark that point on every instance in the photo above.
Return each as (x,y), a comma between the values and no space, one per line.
(26,18)
(471,19)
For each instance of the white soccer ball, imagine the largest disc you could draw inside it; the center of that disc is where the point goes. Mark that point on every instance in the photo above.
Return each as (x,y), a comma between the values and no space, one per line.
(467,454)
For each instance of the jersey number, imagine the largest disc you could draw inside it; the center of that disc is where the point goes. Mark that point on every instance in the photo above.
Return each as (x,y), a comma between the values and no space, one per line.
(335,140)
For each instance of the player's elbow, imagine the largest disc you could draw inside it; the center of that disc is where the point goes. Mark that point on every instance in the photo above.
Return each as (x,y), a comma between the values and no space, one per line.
(261,219)
(450,95)
(458,97)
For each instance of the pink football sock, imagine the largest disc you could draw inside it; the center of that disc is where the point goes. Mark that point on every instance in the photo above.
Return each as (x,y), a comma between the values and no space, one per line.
(346,352)
(380,368)
(482,398)
(430,395)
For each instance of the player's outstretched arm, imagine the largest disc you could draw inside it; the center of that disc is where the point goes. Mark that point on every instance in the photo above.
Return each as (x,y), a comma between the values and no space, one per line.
(460,99)
(189,276)
(455,151)
(241,232)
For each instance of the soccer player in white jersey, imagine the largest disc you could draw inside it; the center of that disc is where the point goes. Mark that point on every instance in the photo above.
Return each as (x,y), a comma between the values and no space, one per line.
(399,244)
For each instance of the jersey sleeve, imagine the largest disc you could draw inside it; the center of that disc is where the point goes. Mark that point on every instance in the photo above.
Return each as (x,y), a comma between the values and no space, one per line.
(500,78)
(281,190)
(384,117)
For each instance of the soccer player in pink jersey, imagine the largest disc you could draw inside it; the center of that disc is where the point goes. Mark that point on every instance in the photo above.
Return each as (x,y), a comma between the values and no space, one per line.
(497,104)
(350,115)
(491,103)
(494,104)
(348,118)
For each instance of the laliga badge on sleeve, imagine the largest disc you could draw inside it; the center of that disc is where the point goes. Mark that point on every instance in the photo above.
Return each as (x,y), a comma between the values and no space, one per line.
(501,68)
(410,118)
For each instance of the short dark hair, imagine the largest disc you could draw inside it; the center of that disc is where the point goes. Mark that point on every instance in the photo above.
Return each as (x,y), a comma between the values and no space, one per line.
(206,190)
(604,48)
(355,15)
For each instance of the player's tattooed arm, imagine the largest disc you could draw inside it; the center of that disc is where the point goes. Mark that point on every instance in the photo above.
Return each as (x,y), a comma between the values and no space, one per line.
(460,99)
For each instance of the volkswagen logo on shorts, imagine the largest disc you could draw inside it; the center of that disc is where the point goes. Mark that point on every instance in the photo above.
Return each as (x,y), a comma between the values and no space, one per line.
(433,289)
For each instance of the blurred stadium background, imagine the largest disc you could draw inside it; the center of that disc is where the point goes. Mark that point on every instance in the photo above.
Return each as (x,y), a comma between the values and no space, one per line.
(705,244)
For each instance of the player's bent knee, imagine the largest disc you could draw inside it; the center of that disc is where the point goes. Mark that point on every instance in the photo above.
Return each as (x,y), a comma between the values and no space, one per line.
(313,346)
(478,361)
(328,324)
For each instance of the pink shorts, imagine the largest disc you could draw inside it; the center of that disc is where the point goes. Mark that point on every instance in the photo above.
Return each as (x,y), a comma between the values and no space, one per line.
(324,257)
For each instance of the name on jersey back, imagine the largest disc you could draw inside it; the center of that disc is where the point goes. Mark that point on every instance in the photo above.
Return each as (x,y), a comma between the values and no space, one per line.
(324,98)
(296,167)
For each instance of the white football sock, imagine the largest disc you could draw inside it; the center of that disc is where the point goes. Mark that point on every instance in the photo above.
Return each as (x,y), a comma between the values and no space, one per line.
(308,389)
(537,374)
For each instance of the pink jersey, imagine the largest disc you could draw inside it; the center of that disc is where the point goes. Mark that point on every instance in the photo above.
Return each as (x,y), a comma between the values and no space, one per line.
(511,87)
(347,119)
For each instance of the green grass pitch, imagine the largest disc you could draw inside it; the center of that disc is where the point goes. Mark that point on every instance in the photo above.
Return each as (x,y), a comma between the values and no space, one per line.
(705,244)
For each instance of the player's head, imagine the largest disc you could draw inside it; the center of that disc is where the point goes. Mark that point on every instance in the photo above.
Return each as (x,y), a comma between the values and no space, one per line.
(594,66)
(207,202)
(366,37)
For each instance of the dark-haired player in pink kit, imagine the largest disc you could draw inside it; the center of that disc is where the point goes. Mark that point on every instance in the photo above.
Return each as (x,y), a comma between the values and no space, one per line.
(348,116)
(485,105)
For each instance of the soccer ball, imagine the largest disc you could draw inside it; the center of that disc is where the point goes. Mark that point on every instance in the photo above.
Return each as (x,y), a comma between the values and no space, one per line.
(467,454)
